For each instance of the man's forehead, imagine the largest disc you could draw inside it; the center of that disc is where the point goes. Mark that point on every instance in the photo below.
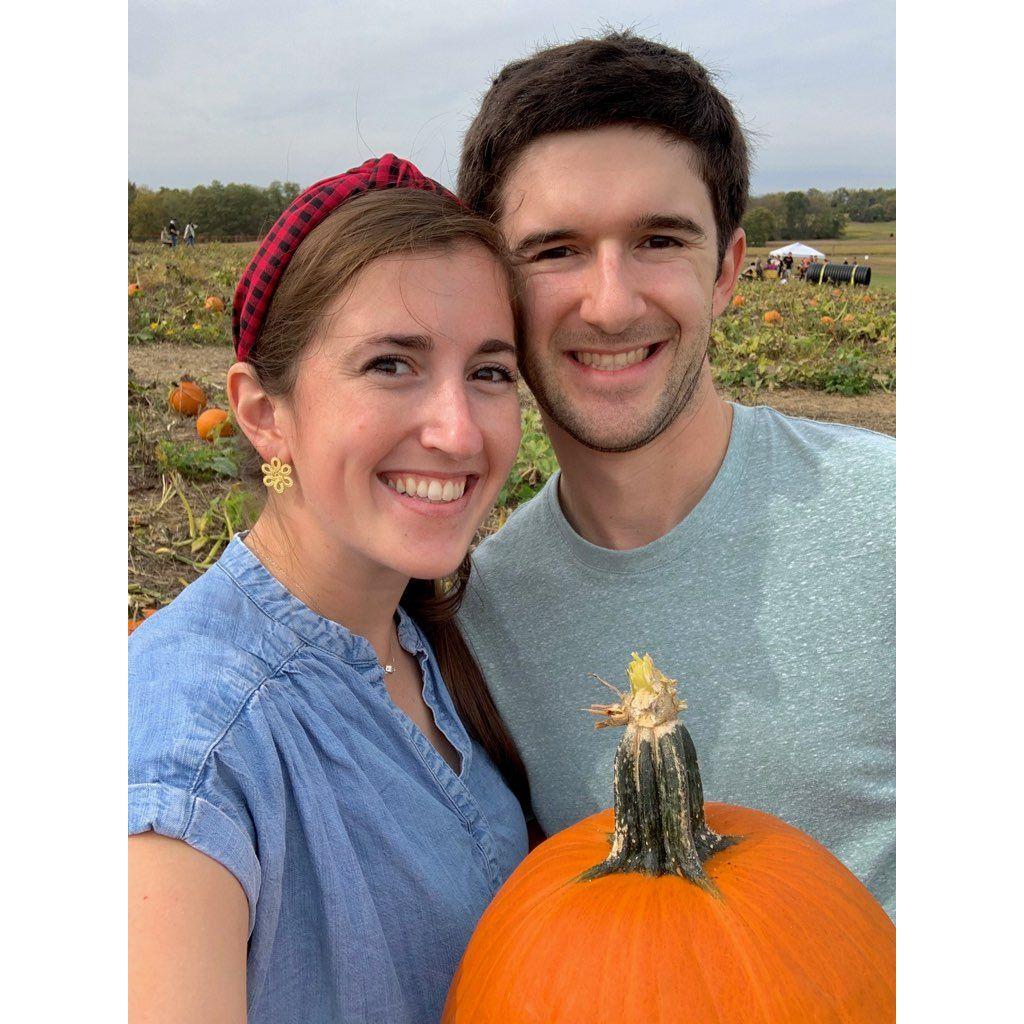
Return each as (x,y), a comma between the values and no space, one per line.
(617,172)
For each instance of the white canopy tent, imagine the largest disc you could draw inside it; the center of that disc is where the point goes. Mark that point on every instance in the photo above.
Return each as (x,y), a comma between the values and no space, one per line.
(797,249)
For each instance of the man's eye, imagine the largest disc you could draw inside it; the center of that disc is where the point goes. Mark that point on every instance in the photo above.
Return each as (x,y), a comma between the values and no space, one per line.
(661,242)
(390,366)
(556,253)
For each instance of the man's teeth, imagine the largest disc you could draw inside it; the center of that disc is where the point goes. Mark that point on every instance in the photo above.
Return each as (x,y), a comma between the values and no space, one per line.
(427,487)
(612,362)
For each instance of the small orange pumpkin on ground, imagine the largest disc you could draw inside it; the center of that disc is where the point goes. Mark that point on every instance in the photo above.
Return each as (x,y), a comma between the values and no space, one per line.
(773,316)
(827,321)
(133,624)
(670,909)
(739,300)
(849,319)
(214,423)
(133,288)
(188,398)
(212,302)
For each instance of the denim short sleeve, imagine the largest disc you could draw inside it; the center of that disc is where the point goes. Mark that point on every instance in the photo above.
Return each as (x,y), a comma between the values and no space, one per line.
(185,737)
(178,814)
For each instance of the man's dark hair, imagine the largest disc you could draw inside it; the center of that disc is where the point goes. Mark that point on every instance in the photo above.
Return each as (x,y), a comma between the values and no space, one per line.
(620,78)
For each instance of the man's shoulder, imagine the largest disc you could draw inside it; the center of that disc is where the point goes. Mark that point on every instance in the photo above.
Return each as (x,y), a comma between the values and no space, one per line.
(828,449)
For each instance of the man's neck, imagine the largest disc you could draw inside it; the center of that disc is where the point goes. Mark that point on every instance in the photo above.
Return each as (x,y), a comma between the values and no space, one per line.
(626,500)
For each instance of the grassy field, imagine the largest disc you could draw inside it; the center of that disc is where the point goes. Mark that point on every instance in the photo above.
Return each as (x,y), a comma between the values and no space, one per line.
(877,241)
(825,353)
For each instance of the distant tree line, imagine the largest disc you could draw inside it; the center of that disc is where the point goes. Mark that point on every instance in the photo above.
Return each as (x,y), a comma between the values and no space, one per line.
(815,214)
(223,212)
(245,212)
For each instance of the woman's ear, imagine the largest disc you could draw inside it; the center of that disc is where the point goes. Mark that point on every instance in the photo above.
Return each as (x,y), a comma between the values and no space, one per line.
(261,416)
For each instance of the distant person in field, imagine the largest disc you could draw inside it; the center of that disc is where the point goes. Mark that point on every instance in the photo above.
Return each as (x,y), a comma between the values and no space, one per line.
(190,234)
(165,238)
(322,798)
(751,553)
(172,230)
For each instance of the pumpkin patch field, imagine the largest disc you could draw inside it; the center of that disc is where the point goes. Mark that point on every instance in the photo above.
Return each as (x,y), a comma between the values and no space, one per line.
(808,350)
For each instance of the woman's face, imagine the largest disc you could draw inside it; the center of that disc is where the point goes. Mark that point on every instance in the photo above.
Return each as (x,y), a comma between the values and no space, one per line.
(404,421)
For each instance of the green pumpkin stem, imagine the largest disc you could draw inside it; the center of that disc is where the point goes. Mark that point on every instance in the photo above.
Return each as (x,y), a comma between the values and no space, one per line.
(660,827)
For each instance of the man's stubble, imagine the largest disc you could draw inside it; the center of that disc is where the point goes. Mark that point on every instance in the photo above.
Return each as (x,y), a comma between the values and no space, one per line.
(681,386)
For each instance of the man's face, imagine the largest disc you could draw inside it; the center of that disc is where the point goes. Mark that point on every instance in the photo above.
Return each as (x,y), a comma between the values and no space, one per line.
(615,235)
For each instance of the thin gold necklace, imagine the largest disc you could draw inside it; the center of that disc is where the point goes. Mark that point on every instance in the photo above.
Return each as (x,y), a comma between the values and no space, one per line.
(388,666)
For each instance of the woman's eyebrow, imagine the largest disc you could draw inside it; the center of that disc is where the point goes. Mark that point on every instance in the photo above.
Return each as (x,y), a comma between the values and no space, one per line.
(496,345)
(417,342)
(422,343)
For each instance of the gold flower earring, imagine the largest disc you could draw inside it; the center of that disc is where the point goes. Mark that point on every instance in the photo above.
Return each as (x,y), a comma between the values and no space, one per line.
(277,475)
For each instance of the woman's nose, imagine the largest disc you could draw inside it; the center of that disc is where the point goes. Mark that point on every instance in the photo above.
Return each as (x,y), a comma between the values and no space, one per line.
(451,423)
(611,301)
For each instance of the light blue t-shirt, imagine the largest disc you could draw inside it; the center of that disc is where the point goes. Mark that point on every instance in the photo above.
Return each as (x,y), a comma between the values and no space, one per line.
(772,602)
(262,735)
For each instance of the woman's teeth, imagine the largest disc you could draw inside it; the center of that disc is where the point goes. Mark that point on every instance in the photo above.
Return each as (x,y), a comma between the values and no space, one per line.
(612,362)
(427,487)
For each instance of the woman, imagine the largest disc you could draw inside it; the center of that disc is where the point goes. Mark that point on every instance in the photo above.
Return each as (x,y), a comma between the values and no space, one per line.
(315,831)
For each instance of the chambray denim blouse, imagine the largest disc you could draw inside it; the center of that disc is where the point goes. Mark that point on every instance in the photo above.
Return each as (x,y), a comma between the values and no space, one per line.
(262,735)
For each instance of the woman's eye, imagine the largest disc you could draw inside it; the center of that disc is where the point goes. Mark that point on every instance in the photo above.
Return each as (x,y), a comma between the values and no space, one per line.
(661,242)
(494,374)
(390,366)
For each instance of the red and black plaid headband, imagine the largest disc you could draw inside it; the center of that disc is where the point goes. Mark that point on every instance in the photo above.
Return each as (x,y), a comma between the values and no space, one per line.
(261,277)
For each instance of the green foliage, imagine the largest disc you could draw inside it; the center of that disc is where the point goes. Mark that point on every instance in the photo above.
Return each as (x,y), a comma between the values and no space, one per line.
(222,212)
(851,352)
(818,214)
(534,464)
(200,460)
(759,225)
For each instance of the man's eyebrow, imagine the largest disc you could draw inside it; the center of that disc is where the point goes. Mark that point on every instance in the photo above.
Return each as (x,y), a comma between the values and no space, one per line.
(668,222)
(645,222)
(543,237)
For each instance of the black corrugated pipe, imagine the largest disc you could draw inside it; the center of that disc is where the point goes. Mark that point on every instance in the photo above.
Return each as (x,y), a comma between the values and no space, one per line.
(838,273)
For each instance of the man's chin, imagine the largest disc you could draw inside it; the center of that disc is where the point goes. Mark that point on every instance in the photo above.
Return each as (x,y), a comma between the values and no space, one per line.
(595,432)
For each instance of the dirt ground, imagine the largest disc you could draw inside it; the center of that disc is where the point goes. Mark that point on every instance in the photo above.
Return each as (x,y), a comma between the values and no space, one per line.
(209,364)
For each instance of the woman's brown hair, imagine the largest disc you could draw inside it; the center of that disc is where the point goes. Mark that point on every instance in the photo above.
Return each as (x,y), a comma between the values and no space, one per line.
(377,224)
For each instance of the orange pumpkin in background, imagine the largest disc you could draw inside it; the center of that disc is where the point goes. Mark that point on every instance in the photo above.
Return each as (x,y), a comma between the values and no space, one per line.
(212,302)
(187,398)
(214,423)
(739,300)
(133,288)
(773,316)
(670,910)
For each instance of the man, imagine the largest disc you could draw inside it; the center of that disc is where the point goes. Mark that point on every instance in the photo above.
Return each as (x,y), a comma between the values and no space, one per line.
(749,552)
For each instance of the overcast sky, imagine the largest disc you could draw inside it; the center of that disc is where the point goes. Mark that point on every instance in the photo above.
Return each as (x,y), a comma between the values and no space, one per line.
(297,90)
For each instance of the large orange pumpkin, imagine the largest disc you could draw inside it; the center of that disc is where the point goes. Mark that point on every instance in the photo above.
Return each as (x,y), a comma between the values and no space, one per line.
(212,302)
(187,398)
(773,316)
(668,910)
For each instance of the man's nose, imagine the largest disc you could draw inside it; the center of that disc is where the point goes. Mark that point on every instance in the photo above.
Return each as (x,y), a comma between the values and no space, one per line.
(451,423)
(612,301)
